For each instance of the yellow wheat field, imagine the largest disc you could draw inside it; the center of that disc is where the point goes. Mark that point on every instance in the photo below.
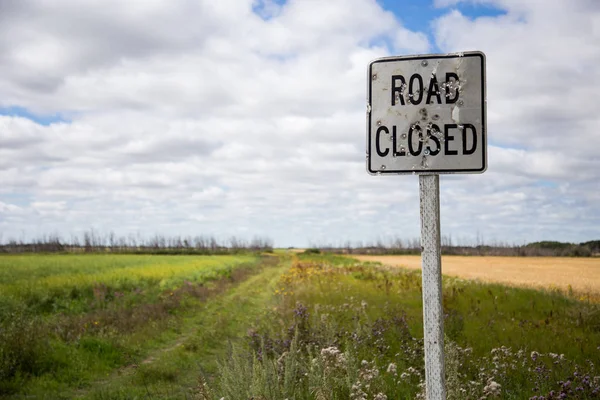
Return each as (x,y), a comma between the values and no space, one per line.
(582,275)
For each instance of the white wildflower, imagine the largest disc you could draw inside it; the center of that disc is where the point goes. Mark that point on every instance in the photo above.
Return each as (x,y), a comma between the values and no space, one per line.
(492,388)
(357,392)
(392,369)
(332,357)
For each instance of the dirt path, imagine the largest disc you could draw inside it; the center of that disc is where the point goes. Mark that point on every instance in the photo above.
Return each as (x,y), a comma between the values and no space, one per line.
(580,274)
(216,323)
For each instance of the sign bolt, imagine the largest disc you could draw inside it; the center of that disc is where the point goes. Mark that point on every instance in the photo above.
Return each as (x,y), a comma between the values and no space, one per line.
(374,77)
(424,63)
(461,103)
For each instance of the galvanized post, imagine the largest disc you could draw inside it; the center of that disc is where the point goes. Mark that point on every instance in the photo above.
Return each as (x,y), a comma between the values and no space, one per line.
(433,315)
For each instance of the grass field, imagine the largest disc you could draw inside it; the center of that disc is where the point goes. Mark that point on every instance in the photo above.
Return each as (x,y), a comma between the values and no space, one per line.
(581,275)
(288,325)
(65,320)
(342,329)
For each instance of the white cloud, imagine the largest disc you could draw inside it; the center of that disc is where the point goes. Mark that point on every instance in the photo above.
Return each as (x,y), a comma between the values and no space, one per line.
(206,117)
(542,71)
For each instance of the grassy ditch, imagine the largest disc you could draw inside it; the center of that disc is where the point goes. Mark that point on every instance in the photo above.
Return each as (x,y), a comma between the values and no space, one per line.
(341,329)
(181,368)
(77,319)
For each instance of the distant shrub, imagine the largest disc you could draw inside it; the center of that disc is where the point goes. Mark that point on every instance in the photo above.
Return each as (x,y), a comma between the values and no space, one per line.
(577,251)
(593,245)
(549,244)
(312,251)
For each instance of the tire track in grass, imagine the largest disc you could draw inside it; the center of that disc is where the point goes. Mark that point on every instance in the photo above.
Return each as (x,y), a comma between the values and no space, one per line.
(172,371)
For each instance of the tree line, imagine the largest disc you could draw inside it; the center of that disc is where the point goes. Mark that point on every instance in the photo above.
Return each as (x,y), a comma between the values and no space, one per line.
(94,242)
(398,246)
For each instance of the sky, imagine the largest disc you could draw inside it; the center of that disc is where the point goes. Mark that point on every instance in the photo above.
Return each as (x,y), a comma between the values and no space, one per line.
(248,117)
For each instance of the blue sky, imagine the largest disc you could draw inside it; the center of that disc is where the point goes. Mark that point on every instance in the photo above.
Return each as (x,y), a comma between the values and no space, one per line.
(218,121)
(418,15)
(42,119)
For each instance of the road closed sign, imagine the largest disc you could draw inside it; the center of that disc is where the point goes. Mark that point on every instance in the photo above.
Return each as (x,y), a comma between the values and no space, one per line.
(427,114)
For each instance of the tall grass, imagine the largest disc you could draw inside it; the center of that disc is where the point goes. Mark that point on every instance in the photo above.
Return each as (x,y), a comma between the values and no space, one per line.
(346,330)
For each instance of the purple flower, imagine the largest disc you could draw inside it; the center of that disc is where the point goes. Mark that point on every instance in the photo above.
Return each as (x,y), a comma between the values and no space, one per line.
(300,311)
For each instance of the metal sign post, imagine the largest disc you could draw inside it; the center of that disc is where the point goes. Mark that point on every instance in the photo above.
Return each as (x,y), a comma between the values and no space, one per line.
(426,115)
(433,315)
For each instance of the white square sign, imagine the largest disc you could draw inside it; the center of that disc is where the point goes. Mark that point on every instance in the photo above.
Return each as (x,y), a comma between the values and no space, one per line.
(426,114)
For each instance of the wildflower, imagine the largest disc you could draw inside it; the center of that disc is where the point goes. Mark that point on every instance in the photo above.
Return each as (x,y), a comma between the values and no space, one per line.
(492,388)
(380,396)
(332,357)
(300,311)
(392,369)
(534,355)
(367,374)
(357,392)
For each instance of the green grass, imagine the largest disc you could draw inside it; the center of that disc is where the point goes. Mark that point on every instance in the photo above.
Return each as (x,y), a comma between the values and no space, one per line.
(519,342)
(479,315)
(66,320)
(53,283)
(205,336)
(319,327)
